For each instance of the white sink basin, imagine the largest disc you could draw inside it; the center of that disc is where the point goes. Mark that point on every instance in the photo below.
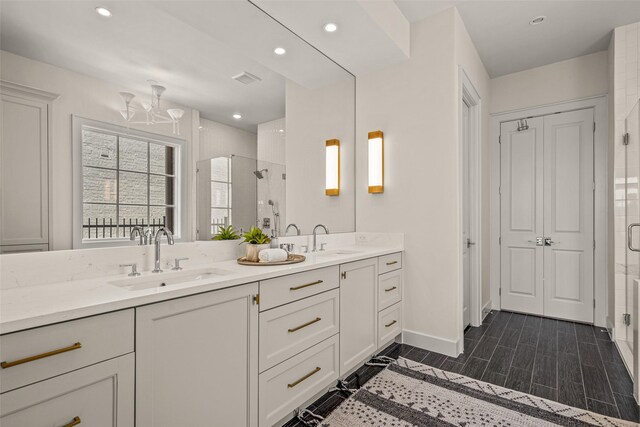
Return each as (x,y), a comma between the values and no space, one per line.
(161,280)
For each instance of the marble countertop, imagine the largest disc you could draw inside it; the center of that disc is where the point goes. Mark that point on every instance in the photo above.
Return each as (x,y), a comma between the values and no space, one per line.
(32,306)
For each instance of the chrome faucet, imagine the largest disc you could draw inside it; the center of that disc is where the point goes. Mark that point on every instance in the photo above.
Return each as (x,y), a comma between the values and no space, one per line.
(294,226)
(161,231)
(148,236)
(315,235)
(140,232)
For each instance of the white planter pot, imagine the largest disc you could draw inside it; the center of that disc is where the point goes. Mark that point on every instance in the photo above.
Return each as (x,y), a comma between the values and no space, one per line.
(254,250)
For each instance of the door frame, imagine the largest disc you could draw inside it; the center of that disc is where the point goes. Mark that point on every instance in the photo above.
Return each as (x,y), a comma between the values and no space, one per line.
(601,206)
(469,95)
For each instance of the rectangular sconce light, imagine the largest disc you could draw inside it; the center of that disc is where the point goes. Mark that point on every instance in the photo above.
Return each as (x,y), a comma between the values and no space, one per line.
(376,162)
(332,183)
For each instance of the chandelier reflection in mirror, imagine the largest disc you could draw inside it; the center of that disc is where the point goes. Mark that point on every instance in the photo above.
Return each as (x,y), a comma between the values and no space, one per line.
(154,115)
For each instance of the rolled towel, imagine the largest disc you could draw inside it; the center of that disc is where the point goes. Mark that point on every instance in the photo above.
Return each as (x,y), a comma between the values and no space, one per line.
(273,255)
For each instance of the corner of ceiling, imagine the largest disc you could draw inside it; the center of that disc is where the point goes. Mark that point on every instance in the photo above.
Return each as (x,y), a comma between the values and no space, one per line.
(388,16)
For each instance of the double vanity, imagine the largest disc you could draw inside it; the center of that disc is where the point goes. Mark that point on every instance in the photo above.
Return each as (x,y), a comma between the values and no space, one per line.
(217,344)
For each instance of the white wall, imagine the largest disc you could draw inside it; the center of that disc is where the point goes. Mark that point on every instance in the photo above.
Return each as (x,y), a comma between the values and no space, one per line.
(572,79)
(217,140)
(314,116)
(90,98)
(415,105)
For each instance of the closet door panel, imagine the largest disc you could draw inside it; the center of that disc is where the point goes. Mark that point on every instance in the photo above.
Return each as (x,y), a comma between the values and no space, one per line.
(521,217)
(23,171)
(568,215)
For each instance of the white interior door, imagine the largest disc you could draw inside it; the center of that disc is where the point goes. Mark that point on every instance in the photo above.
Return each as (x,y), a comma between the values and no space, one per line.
(568,215)
(521,213)
(466,218)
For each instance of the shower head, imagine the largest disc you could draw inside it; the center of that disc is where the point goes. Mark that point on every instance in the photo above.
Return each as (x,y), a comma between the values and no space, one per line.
(260,174)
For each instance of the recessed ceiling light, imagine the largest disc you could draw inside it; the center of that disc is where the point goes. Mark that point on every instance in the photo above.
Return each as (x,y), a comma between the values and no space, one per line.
(279,51)
(330,27)
(237,116)
(103,11)
(537,20)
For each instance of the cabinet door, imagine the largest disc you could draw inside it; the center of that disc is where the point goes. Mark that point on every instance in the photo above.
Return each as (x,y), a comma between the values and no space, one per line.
(358,312)
(100,395)
(197,360)
(24,177)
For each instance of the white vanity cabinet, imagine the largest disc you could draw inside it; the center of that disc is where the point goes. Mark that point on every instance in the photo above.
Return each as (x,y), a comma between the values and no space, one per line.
(358,313)
(81,371)
(100,395)
(197,360)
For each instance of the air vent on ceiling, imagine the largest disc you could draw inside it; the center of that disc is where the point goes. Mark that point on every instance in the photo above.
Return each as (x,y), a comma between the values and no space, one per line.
(246,78)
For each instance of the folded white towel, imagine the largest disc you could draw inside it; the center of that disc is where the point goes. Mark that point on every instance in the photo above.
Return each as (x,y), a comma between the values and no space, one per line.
(272,255)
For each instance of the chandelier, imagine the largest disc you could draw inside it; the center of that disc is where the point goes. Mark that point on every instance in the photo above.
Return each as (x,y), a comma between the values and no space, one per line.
(154,115)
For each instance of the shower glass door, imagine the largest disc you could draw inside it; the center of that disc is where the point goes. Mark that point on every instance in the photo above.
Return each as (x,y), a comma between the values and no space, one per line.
(632,217)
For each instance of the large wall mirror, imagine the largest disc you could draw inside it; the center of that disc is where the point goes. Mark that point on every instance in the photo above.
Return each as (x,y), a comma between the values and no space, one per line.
(192,115)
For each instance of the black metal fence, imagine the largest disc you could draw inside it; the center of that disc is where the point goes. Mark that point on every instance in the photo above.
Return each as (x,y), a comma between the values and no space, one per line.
(108,229)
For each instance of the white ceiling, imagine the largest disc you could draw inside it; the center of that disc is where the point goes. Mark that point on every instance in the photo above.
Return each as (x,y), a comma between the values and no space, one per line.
(363,41)
(191,47)
(507,43)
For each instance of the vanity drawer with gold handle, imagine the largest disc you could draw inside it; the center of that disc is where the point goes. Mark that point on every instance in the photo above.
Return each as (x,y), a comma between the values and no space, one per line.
(37,354)
(287,330)
(387,263)
(99,395)
(389,324)
(286,289)
(296,380)
(389,289)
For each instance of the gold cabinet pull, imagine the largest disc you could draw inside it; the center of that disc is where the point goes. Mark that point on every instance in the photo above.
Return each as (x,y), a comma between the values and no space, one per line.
(391,288)
(392,262)
(391,324)
(309,323)
(295,383)
(74,422)
(5,365)
(295,288)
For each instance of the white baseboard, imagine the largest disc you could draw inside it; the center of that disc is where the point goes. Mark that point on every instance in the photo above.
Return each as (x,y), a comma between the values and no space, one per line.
(486,309)
(428,342)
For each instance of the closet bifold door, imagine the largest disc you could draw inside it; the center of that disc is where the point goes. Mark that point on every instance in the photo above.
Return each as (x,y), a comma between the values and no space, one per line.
(568,215)
(521,216)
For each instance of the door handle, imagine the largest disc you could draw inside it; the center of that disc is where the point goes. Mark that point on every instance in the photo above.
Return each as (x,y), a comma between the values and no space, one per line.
(630,236)
(549,242)
(470,243)
(538,241)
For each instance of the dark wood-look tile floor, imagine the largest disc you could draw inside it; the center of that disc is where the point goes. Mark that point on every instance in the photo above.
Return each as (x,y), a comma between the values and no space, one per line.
(567,362)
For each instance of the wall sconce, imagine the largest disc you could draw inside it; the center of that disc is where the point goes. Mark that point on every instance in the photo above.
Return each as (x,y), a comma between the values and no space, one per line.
(376,162)
(332,183)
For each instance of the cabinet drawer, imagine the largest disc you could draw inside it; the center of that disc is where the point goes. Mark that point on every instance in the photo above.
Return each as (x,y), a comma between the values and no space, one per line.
(389,289)
(283,290)
(100,395)
(389,324)
(389,263)
(285,387)
(66,346)
(287,330)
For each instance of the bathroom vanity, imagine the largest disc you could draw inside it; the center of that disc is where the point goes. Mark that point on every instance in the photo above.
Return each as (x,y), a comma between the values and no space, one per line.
(241,346)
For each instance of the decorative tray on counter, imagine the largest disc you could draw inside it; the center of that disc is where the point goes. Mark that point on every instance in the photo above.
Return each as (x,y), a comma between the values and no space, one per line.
(293,259)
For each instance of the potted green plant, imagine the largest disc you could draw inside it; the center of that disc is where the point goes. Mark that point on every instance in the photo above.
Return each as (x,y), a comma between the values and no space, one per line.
(226,233)
(256,241)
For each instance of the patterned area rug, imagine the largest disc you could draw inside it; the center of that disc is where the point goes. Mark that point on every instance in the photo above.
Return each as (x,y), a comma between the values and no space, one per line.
(408,393)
